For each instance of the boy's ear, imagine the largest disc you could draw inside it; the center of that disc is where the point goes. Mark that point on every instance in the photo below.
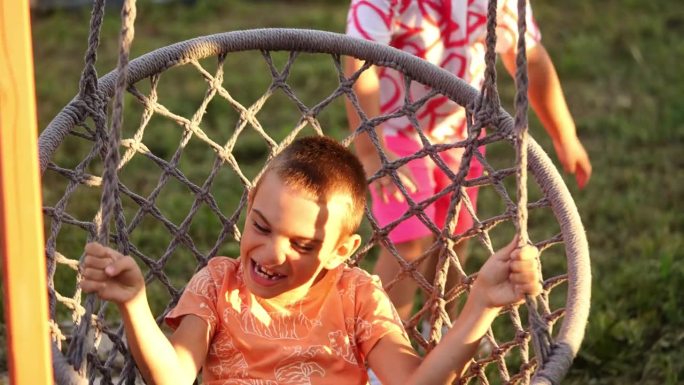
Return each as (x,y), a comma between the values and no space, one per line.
(344,250)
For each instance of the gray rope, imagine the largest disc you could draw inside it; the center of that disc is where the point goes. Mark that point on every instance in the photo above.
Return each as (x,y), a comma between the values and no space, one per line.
(91,102)
(541,335)
(489,103)
(64,373)
(110,179)
(78,347)
(88,81)
(489,95)
(556,365)
(521,108)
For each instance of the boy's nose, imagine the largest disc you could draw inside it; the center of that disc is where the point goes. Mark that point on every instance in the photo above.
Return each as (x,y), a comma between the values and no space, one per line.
(275,255)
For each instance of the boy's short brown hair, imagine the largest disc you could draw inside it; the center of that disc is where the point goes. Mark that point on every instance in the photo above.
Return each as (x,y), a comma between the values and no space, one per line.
(323,167)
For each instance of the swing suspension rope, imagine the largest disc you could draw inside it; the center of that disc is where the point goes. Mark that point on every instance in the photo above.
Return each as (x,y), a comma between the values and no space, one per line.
(551,359)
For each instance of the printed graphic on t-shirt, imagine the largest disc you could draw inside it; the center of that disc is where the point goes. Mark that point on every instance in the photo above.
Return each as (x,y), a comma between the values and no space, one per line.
(257,342)
(448,33)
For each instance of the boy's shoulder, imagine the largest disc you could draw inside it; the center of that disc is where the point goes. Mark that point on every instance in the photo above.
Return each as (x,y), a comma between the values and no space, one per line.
(222,266)
(226,262)
(355,276)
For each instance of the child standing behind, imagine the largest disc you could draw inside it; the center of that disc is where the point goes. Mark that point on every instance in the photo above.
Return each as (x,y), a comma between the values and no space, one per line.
(289,310)
(450,34)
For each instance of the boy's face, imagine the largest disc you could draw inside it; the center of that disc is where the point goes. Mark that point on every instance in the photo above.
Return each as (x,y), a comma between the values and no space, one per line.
(290,239)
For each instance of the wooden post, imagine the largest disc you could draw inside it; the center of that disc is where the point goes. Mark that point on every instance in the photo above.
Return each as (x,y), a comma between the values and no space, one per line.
(21,226)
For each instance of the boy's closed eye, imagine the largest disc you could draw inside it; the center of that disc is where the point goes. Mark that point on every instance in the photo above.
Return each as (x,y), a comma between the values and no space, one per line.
(260,228)
(303,247)
(300,246)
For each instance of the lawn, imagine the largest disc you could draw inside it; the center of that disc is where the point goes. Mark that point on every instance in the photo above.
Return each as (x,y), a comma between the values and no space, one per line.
(619,62)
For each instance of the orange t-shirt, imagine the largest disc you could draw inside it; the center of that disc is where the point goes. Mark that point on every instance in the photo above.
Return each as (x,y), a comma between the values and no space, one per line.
(323,338)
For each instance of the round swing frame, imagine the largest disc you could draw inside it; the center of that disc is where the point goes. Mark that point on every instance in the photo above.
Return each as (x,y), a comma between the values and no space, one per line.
(571,332)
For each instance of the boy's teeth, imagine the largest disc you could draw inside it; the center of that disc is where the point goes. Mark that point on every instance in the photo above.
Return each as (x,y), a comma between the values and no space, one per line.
(262,272)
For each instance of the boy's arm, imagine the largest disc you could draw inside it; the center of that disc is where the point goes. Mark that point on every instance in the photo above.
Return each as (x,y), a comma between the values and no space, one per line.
(450,358)
(505,279)
(548,102)
(117,278)
(393,359)
(175,360)
(395,362)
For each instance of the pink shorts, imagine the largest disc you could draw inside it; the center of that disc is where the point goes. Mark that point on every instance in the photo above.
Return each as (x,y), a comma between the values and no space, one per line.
(430,180)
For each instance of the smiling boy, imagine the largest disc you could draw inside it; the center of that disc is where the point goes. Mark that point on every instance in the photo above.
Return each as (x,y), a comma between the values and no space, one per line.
(289,310)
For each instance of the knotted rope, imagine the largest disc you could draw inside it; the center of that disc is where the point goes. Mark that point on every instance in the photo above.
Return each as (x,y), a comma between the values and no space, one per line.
(110,201)
(72,369)
(488,106)
(541,335)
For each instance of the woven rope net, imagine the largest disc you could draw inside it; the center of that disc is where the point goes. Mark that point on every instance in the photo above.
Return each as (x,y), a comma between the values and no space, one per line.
(173,216)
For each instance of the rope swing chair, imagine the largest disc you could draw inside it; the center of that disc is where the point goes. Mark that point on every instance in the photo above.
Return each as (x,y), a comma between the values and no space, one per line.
(534,343)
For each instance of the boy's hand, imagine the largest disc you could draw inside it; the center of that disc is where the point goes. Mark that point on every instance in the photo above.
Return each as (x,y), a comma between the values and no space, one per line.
(509,275)
(111,275)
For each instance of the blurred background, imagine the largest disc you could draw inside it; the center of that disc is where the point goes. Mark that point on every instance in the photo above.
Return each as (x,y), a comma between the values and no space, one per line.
(620,66)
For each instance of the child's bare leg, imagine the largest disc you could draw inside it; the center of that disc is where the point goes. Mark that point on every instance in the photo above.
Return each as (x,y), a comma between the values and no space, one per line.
(403,293)
(453,277)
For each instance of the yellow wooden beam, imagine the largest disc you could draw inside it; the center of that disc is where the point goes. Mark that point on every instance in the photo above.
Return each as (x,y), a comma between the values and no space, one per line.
(21,226)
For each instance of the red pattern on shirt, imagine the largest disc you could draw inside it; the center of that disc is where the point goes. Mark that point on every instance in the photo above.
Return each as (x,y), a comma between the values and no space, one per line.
(449,34)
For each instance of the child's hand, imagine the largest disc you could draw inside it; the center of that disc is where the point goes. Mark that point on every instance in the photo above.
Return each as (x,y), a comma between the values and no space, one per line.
(574,159)
(508,276)
(384,186)
(113,276)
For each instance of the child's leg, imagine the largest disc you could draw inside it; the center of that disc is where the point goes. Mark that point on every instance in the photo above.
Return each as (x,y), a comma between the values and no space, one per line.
(387,268)
(464,221)
(453,276)
(411,237)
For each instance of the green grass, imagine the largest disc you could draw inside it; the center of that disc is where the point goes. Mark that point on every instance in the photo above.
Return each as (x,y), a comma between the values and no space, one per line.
(619,64)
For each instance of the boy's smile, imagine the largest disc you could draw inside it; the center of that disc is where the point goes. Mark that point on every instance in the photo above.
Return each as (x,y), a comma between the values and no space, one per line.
(291,238)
